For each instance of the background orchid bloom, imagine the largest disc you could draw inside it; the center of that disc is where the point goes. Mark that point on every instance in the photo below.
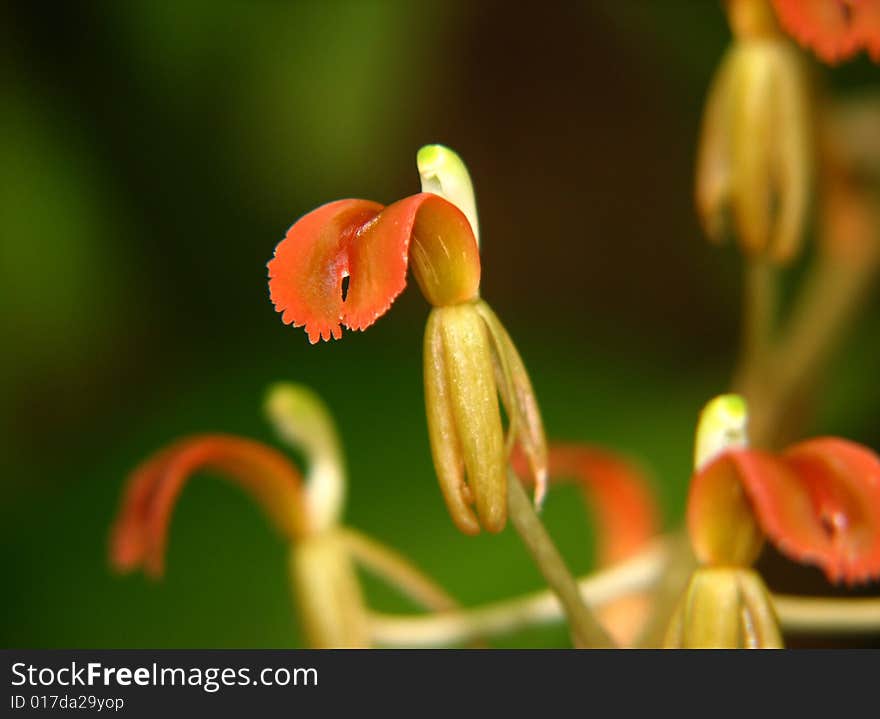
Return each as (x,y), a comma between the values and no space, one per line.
(329,598)
(755,160)
(323,553)
(835,30)
(616,492)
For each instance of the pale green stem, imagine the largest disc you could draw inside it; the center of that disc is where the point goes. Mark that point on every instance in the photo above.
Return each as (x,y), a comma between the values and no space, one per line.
(831,297)
(760,299)
(397,570)
(818,615)
(586,629)
(805,615)
(538,608)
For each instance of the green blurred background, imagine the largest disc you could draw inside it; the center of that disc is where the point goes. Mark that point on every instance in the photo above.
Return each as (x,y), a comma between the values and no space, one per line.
(153,153)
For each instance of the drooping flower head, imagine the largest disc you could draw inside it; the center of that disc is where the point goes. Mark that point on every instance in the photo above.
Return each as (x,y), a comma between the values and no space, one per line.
(817,501)
(345,263)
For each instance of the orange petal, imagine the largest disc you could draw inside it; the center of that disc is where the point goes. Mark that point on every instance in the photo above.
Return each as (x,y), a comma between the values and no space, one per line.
(626,511)
(721,519)
(445,254)
(310,263)
(818,502)
(866,25)
(370,245)
(841,480)
(834,29)
(139,534)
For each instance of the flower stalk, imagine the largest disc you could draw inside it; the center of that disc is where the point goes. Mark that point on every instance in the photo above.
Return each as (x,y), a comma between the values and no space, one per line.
(585,628)
(456,627)
(782,381)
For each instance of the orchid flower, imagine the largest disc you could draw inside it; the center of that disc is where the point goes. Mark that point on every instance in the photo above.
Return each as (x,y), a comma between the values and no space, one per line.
(817,501)
(346,262)
(307,512)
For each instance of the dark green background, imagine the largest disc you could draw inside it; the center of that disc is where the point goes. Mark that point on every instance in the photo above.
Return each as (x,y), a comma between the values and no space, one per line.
(153,153)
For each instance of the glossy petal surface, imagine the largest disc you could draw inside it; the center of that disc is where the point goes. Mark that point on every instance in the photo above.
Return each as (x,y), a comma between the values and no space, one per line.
(370,246)
(306,275)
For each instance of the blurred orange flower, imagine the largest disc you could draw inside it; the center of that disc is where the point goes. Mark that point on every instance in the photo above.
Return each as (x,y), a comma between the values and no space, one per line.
(617,492)
(139,534)
(834,29)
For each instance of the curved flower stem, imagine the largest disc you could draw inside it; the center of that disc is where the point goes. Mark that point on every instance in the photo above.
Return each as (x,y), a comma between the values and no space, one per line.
(458,627)
(586,629)
(397,570)
(827,616)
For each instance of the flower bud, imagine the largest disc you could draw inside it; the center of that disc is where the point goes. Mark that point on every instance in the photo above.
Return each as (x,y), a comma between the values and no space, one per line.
(724,608)
(469,361)
(464,421)
(723,425)
(444,173)
(754,164)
